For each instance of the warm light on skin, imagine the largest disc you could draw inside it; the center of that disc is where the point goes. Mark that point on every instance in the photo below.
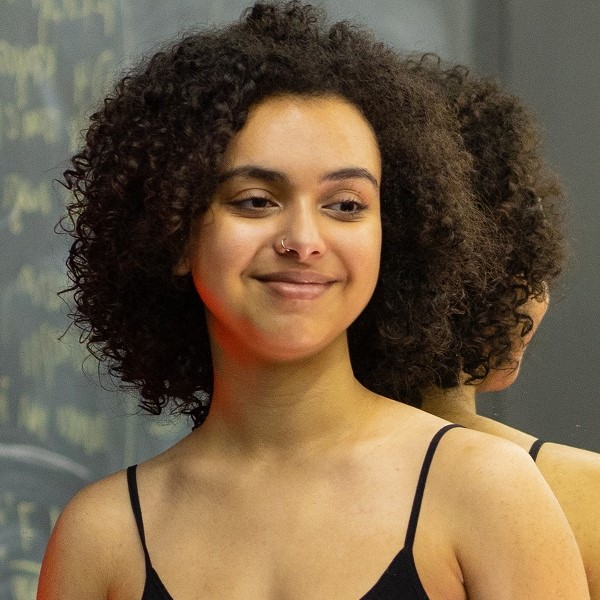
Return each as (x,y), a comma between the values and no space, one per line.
(307,170)
(499,379)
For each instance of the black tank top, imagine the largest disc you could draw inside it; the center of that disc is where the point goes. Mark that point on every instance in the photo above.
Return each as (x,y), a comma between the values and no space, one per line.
(400,581)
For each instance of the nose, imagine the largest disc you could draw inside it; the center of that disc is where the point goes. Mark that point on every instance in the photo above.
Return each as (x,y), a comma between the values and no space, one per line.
(301,236)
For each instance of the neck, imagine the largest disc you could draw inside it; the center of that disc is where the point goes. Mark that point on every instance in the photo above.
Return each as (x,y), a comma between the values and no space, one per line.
(266,408)
(457,404)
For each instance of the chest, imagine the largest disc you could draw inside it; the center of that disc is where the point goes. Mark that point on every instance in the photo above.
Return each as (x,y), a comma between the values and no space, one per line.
(292,542)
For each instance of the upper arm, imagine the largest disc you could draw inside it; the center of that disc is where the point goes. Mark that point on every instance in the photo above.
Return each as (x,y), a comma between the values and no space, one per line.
(79,558)
(513,539)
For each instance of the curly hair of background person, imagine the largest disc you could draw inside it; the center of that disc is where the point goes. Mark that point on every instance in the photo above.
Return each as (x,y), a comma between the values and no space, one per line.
(516,191)
(150,162)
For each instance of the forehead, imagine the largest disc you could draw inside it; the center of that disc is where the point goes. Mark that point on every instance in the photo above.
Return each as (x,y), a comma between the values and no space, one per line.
(287,132)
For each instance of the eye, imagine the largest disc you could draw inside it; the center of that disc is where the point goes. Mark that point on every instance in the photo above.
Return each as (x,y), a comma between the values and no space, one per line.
(254,206)
(348,209)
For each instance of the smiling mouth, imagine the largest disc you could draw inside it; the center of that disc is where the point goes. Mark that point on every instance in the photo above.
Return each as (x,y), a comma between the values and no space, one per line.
(300,277)
(297,285)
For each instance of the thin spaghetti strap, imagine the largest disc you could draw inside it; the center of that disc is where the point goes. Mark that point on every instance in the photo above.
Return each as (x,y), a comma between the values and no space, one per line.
(418,499)
(535,448)
(136,508)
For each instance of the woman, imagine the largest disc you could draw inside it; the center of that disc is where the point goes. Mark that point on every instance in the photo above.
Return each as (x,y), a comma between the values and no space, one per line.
(522,198)
(272,224)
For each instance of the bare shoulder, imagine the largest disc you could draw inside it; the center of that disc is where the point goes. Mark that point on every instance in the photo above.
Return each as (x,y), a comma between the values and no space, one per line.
(510,532)
(563,466)
(93,533)
(491,465)
(574,476)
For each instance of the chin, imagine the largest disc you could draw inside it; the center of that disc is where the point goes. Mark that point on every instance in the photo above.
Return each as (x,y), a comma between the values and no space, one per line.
(289,353)
(287,348)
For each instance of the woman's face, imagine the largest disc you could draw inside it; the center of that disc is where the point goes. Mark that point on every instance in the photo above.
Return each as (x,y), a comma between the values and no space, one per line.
(499,379)
(287,256)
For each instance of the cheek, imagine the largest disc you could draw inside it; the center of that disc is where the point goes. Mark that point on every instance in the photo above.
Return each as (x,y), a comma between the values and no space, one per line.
(370,270)
(368,253)
(499,379)
(364,253)
(216,246)
(538,311)
(221,253)
(209,256)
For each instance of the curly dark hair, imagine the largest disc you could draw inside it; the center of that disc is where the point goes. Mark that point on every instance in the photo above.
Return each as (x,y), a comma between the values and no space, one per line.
(516,191)
(149,166)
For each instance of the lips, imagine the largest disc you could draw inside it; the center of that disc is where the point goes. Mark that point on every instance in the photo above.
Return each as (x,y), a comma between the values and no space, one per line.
(297,285)
(301,277)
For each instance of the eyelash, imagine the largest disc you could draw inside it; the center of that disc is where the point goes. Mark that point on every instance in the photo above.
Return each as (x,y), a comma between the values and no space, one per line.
(348,215)
(243,206)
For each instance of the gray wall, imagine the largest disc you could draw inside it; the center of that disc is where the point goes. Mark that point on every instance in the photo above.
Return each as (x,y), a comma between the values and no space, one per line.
(548,52)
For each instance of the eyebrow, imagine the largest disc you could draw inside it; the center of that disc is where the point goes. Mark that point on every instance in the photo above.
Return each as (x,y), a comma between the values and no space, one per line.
(271,176)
